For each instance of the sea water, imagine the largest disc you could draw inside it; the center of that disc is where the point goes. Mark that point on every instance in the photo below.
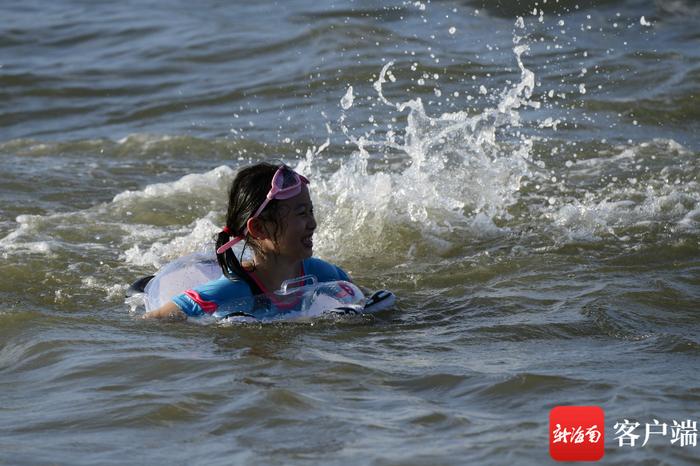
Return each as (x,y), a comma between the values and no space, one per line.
(523,175)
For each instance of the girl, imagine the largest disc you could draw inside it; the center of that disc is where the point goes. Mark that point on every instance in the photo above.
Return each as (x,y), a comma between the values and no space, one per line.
(270,210)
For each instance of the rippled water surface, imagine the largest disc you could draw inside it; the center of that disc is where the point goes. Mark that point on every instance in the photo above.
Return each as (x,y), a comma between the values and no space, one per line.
(523,175)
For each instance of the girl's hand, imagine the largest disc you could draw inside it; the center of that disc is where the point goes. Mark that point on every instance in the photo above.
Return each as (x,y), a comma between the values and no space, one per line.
(168,311)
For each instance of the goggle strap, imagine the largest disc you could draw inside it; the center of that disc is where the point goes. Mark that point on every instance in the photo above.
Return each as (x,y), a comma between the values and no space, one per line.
(229,244)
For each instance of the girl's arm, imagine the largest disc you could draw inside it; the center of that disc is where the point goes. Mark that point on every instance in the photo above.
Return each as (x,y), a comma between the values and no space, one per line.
(169,311)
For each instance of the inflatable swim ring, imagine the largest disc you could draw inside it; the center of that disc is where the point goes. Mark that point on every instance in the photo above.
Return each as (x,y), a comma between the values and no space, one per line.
(299,298)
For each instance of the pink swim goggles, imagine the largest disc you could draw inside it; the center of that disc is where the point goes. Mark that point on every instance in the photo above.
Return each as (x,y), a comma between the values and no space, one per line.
(286,183)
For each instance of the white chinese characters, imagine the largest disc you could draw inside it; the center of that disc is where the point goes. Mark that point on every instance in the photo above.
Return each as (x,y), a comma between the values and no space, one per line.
(684,433)
(576,434)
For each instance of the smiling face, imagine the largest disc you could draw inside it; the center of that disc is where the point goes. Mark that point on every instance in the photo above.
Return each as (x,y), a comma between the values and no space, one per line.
(294,240)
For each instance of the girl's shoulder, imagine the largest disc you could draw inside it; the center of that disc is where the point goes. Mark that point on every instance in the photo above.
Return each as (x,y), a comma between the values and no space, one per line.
(225,287)
(208,297)
(324,271)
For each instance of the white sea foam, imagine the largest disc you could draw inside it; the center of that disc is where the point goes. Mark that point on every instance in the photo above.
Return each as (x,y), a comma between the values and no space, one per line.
(635,198)
(135,222)
(189,239)
(216,180)
(27,238)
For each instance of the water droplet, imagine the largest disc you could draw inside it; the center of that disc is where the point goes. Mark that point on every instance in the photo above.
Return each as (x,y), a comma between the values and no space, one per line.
(347,100)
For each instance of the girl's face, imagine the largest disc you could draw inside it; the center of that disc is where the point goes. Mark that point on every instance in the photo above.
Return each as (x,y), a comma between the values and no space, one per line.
(298,224)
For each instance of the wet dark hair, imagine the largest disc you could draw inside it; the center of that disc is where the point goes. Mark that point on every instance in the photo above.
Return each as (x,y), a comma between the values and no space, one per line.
(248,191)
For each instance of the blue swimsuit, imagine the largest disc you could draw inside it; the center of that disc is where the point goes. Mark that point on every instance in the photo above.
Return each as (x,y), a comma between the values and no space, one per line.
(223,296)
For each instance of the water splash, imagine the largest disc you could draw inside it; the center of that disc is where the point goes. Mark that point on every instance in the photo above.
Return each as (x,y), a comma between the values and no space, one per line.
(458,175)
(457,178)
